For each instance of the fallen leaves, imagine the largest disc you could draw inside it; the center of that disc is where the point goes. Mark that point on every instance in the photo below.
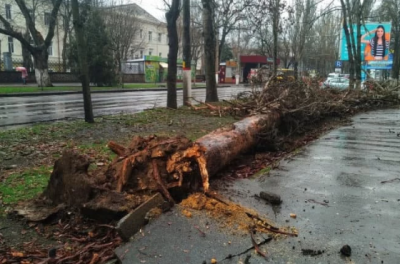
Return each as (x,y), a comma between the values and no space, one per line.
(89,242)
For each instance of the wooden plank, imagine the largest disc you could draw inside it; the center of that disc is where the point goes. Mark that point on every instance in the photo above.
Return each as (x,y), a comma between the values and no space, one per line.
(134,221)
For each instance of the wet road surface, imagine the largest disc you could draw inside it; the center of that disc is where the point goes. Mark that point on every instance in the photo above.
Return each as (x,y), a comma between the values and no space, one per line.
(25,110)
(336,187)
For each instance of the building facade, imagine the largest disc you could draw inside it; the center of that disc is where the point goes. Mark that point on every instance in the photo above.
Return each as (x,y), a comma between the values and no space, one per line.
(150,40)
(40,14)
(152,37)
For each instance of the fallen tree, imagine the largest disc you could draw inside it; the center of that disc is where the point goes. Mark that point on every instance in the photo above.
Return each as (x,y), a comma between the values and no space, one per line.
(171,166)
(177,166)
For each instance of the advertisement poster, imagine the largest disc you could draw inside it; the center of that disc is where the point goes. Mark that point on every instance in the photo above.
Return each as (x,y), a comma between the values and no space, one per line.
(375,43)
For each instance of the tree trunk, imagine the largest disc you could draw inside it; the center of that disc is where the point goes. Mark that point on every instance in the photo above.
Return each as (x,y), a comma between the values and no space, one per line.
(171,16)
(64,51)
(209,50)
(358,54)
(40,60)
(223,146)
(82,53)
(26,55)
(349,43)
(187,57)
(396,57)
(275,29)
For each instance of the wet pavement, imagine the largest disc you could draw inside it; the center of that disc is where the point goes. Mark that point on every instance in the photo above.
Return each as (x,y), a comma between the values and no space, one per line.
(337,186)
(31,109)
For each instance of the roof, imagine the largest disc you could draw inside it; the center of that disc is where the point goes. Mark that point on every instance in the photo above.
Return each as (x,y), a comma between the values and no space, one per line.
(139,12)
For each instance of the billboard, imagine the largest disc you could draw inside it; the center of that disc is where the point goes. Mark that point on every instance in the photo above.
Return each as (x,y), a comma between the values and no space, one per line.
(375,42)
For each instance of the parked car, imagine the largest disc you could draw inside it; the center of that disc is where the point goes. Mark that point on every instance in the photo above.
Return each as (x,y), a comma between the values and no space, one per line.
(338,75)
(333,75)
(339,83)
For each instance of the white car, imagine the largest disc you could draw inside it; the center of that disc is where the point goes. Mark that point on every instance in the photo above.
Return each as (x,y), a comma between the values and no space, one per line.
(333,75)
(339,83)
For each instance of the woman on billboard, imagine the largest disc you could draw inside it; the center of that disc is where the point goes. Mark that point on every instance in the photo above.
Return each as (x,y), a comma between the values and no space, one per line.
(378,45)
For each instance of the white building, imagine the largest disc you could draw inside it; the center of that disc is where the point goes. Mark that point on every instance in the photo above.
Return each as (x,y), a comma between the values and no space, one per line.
(41,15)
(152,36)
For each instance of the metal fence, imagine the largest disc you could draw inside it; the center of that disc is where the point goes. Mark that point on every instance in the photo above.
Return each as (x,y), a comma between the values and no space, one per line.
(54,65)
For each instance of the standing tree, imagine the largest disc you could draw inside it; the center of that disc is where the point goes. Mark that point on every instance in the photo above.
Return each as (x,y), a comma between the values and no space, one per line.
(226,52)
(209,50)
(390,9)
(79,25)
(196,28)
(304,18)
(276,8)
(173,43)
(266,11)
(98,46)
(326,34)
(357,18)
(122,27)
(40,45)
(66,14)
(187,57)
(228,14)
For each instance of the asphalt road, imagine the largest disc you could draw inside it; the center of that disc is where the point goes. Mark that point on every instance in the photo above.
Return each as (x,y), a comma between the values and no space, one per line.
(15,111)
(344,189)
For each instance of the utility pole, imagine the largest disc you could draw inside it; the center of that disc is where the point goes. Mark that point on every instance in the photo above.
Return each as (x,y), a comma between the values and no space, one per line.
(187,58)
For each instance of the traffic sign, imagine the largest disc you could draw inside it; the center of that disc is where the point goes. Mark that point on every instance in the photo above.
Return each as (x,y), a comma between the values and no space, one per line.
(338,64)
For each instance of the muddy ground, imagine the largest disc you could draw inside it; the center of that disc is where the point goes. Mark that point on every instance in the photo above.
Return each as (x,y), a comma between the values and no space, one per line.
(35,146)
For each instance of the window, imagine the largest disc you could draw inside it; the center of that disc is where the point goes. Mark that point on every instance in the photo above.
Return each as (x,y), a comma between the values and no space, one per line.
(159,37)
(150,52)
(141,54)
(141,33)
(136,56)
(47,19)
(8,11)
(167,39)
(159,54)
(150,36)
(50,49)
(132,52)
(10,45)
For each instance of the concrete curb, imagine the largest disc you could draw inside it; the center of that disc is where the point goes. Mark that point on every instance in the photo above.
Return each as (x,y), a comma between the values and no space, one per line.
(103,91)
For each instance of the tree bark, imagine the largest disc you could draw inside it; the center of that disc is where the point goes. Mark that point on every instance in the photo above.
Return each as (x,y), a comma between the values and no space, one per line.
(187,57)
(40,60)
(209,50)
(42,75)
(171,16)
(82,53)
(65,39)
(26,55)
(349,42)
(275,29)
(396,58)
(223,146)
